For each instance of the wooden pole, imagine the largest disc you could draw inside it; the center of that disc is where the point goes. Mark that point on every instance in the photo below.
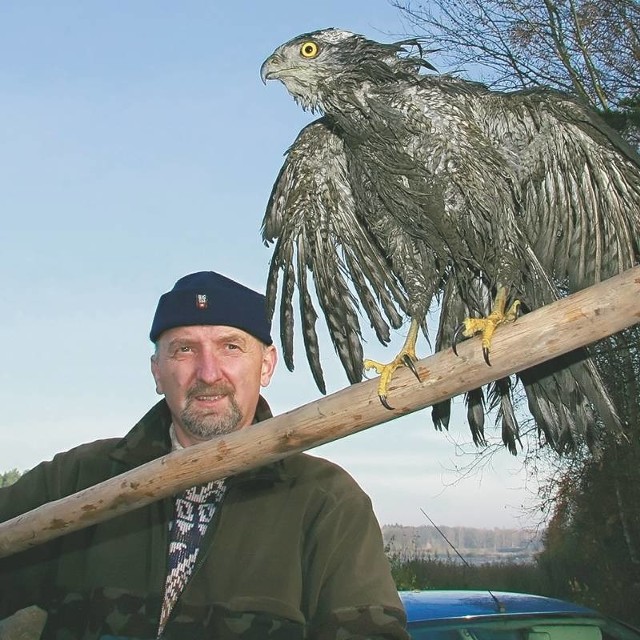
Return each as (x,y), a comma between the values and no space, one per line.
(572,322)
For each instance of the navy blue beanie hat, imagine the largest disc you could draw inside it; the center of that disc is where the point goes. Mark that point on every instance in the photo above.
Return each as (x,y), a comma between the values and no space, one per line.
(207,297)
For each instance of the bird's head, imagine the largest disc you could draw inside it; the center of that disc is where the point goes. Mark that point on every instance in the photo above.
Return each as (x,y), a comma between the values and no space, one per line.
(316,66)
(308,64)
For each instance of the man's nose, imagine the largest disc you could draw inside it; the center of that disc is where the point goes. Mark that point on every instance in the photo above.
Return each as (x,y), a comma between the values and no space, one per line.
(209,369)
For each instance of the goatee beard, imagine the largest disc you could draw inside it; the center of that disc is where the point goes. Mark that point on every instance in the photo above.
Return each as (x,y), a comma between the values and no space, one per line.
(205,426)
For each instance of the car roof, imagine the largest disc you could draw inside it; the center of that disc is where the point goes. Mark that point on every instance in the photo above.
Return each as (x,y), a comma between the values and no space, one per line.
(438,605)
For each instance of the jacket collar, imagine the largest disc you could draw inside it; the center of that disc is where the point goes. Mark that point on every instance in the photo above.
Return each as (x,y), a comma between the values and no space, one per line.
(149,439)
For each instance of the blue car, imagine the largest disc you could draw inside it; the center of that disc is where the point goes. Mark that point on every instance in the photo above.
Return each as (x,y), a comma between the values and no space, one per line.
(498,615)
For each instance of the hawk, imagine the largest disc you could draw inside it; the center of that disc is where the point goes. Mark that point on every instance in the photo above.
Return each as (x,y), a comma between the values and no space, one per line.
(415,189)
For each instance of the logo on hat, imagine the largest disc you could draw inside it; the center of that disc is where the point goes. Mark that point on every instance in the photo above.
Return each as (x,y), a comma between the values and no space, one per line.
(201,301)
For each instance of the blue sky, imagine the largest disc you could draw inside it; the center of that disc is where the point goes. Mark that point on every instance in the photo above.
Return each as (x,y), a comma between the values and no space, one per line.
(138,144)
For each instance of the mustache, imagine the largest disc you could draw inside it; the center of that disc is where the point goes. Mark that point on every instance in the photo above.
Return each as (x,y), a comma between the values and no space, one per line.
(203,389)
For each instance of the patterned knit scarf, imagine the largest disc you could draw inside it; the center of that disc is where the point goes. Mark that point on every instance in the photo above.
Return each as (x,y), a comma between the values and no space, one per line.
(193,512)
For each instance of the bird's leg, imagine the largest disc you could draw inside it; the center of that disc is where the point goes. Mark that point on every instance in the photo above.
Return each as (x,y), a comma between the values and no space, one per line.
(487,326)
(406,358)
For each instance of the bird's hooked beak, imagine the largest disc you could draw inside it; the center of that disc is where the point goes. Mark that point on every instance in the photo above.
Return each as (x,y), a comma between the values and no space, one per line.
(266,70)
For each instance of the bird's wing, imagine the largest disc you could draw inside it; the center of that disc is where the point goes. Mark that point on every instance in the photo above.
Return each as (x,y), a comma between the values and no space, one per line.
(311,218)
(580,189)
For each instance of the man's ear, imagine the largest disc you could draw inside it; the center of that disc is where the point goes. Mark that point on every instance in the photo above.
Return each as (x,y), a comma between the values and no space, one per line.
(156,375)
(269,360)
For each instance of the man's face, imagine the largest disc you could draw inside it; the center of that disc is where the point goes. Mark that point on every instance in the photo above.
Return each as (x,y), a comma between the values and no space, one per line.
(211,376)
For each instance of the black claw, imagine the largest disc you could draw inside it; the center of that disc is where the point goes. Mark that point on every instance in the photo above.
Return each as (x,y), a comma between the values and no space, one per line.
(408,362)
(385,404)
(456,338)
(485,355)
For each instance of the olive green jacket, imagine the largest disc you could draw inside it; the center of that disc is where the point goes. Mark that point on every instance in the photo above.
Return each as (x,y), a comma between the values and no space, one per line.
(294,551)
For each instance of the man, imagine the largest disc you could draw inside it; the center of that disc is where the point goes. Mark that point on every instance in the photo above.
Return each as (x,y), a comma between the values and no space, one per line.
(289,550)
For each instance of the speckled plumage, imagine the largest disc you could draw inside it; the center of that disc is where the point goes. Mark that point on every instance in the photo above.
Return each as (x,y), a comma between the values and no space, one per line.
(414,188)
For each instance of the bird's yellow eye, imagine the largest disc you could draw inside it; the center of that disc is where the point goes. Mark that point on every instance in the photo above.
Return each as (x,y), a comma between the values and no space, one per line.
(309,49)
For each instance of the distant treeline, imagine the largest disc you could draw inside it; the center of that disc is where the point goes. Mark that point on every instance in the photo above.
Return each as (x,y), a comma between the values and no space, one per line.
(474,545)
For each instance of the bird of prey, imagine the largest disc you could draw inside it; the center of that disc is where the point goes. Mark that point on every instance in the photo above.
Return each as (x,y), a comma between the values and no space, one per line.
(415,188)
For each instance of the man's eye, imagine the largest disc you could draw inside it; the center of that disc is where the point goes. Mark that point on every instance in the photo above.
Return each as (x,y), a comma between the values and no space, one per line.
(232,346)
(184,349)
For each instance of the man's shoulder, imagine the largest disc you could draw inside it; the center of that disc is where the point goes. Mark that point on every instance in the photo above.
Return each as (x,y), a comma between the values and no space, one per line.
(309,463)
(323,473)
(95,450)
(97,447)
(66,473)
(83,465)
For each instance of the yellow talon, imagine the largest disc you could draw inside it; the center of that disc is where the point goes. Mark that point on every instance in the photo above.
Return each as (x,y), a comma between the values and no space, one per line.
(405,358)
(487,326)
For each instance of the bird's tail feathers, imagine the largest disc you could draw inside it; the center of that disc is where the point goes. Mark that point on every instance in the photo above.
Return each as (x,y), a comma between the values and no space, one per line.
(500,398)
(569,401)
(474,400)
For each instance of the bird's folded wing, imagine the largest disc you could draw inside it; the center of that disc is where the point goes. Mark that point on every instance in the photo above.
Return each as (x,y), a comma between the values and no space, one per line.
(311,217)
(581,194)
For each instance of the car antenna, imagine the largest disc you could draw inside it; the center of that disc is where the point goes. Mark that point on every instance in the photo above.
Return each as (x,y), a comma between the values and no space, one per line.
(499,605)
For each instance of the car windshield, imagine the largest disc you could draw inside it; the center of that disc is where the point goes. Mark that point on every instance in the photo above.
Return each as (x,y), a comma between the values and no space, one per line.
(525,628)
